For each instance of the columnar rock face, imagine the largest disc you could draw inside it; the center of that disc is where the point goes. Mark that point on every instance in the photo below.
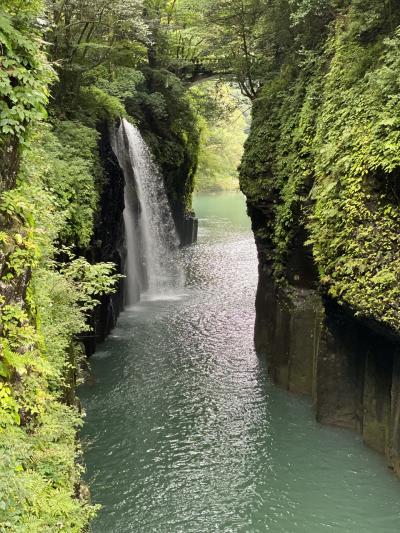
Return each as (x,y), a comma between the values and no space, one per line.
(377,398)
(320,173)
(339,375)
(315,347)
(393,449)
(108,243)
(187,227)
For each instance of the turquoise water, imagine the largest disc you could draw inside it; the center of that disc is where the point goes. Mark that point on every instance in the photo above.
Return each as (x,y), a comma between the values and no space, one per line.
(186,433)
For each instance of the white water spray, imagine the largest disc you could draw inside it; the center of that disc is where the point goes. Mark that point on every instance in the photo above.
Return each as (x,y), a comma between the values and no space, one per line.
(151,239)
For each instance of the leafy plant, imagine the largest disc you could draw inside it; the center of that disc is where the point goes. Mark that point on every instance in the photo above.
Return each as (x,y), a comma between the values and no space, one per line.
(323,155)
(24,76)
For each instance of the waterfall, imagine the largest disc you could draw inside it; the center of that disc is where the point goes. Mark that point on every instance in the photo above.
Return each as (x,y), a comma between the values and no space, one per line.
(152,243)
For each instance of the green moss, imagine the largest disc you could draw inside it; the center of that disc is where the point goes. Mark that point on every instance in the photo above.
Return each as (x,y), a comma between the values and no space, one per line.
(43,310)
(96,105)
(324,152)
(164,112)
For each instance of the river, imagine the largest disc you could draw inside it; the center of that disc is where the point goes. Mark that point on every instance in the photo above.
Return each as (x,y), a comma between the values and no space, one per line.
(185,431)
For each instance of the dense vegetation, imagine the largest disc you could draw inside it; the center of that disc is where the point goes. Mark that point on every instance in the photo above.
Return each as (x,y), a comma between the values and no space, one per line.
(66,68)
(321,160)
(322,157)
(50,185)
(223,135)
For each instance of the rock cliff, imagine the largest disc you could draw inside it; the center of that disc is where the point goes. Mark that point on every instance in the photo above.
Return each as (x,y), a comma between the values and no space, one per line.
(320,173)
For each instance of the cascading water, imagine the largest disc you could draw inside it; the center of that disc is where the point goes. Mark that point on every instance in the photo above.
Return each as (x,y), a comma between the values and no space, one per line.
(151,239)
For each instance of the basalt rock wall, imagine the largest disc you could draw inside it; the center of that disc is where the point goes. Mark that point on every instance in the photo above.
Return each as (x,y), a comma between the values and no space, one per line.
(316,348)
(108,243)
(321,176)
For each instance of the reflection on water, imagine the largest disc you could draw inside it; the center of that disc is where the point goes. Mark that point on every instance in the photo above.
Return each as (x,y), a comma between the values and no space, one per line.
(185,432)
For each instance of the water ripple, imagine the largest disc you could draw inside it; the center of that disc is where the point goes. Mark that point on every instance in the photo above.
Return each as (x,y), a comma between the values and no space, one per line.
(185,433)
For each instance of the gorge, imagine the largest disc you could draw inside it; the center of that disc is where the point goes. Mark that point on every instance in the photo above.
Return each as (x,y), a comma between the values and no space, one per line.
(162,352)
(195,437)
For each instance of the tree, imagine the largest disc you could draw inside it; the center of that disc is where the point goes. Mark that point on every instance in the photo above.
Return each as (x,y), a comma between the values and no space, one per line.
(88,33)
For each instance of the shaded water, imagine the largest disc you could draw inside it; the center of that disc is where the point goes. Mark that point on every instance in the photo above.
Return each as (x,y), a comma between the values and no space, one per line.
(186,433)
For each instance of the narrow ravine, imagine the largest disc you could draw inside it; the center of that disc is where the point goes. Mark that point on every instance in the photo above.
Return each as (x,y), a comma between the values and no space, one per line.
(185,431)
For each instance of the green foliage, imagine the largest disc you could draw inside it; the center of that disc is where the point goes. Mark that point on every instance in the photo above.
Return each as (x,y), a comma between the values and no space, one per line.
(179,35)
(87,35)
(38,474)
(89,280)
(39,356)
(302,10)
(18,8)
(223,135)
(24,75)
(123,84)
(96,104)
(65,157)
(360,265)
(323,154)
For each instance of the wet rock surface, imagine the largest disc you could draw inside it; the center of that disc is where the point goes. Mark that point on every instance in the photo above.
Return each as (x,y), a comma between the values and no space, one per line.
(314,346)
(108,243)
